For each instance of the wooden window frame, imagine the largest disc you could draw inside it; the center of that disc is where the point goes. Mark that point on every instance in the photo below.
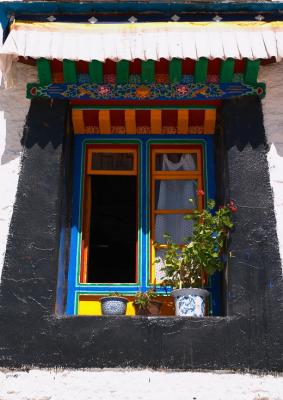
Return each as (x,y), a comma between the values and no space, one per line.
(155,175)
(85,241)
(145,278)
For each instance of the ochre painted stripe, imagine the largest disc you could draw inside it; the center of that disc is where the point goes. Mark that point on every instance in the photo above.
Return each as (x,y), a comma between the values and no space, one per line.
(183,122)
(78,121)
(130,121)
(209,121)
(104,121)
(156,121)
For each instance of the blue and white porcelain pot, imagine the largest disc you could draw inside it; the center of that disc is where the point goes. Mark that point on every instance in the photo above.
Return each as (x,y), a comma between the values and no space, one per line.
(113,305)
(190,302)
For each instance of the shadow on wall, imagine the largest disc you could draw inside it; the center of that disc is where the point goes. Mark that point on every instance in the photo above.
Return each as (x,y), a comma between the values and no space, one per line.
(244,126)
(43,124)
(13,110)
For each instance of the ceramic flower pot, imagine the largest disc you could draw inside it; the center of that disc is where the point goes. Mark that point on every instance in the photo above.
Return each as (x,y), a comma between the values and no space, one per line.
(113,305)
(190,302)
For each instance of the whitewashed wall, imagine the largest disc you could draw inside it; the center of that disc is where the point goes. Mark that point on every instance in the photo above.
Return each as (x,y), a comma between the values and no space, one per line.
(273,121)
(13,110)
(137,385)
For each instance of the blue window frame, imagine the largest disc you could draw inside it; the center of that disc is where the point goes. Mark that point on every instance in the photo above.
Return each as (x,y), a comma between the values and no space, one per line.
(143,144)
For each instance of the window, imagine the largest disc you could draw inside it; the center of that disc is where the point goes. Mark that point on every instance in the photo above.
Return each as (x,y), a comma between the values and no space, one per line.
(127,193)
(109,240)
(176,175)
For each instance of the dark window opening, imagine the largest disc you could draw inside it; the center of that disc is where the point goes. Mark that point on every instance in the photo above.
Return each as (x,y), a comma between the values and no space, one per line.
(113,229)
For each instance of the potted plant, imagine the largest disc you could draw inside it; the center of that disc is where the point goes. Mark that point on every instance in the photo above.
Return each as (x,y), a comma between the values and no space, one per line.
(146,304)
(186,267)
(113,304)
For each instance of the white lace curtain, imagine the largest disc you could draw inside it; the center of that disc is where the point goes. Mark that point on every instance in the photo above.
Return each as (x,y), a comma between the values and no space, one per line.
(174,194)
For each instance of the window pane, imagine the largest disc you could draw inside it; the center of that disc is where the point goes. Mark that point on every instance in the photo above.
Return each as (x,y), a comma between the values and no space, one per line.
(113,229)
(174,194)
(173,224)
(112,161)
(176,162)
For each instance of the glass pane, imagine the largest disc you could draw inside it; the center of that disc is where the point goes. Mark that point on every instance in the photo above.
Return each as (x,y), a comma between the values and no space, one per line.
(174,194)
(112,161)
(176,162)
(173,224)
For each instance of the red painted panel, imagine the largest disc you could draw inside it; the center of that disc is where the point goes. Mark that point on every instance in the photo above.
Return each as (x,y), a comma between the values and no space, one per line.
(169,117)
(82,67)
(147,103)
(196,117)
(117,117)
(143,118)
(91,117)
(239,66)
(56,66)
(162,66)
(214,66)
(188,66)
(109,67)
(135,67)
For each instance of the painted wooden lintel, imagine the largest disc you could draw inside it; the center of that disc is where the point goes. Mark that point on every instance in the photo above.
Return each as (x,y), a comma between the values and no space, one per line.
(193,91)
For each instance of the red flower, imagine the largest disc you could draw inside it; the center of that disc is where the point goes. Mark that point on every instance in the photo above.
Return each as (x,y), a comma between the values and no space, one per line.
(200,192)
(232,206)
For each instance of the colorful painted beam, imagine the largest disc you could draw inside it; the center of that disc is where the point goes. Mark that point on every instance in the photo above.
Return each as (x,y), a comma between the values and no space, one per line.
(193,91)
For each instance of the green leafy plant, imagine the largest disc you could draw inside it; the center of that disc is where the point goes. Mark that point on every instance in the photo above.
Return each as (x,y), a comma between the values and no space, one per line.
(204,252)
(142,299)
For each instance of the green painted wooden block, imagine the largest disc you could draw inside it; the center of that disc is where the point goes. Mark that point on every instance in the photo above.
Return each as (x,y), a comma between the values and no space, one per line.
(148,71)
(201,70)
(69,71)
(122,71)
(251,71)
(227,70)
(95,69)
(44,71)
(175,70)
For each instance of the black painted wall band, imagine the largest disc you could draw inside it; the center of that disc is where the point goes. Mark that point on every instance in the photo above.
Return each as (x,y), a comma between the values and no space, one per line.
(249,337)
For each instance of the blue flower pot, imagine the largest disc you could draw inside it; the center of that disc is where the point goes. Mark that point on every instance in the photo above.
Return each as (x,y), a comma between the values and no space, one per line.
(113,305)
(190,302)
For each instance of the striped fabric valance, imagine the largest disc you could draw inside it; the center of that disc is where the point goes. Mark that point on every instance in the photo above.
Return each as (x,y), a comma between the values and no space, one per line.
(75,41)
(144,121)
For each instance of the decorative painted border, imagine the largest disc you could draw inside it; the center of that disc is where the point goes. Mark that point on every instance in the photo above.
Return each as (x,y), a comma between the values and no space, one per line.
(155,91)
(75,288)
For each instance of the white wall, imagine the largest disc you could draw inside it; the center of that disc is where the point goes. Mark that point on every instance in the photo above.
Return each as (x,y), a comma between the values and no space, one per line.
(137,385)
(13,110)
(272,74)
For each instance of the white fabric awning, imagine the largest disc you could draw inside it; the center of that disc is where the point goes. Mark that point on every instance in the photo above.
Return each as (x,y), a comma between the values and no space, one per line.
(75,41)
